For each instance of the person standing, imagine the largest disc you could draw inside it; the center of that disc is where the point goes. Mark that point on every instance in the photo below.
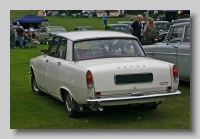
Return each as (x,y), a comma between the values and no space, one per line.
(149,32)
(137,27)
(20,34)
(12,37)
(104,19)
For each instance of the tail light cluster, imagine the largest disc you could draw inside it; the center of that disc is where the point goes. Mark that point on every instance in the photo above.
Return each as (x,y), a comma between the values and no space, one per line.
(175,74)
(89,80)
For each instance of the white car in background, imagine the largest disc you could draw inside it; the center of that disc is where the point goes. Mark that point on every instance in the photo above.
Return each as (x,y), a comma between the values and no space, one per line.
(91,69)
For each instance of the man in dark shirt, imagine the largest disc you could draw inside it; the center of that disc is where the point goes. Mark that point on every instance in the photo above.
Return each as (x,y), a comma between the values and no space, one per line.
(136,26)
(20,35)
(12,37)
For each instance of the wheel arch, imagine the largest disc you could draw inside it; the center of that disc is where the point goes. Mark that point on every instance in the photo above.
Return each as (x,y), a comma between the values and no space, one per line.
(64,90)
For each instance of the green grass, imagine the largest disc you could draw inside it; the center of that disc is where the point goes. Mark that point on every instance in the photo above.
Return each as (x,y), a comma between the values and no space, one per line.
(30,111)
(70,23)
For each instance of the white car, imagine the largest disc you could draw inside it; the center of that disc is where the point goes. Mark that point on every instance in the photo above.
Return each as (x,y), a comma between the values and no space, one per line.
(91,69)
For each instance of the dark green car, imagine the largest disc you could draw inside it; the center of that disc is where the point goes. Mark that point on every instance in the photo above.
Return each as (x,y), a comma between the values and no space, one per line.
(118,27)
(81,28)
(162,27)
(49,32)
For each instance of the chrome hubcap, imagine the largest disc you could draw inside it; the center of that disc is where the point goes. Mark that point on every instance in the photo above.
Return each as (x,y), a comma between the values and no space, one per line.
(69,102)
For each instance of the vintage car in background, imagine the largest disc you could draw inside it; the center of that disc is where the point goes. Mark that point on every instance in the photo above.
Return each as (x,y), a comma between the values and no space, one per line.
(47,35)
(90,69)
(181,21)
(119,27)
(81,28)
(175,49)
(162,28)
(129,23)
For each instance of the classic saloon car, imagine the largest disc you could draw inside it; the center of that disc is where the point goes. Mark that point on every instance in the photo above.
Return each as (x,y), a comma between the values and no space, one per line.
(175,49)
(82,28)
(47,35)
(90,69)
(119,27)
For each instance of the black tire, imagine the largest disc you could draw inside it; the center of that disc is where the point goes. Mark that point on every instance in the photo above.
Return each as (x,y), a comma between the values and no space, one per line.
(47,42)
(70,105)
(34,86)
(152,105)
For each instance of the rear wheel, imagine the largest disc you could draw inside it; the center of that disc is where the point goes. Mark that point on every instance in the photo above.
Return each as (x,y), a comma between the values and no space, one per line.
(70,105)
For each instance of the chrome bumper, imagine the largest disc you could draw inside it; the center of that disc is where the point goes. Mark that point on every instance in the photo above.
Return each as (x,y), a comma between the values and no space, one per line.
(99,100)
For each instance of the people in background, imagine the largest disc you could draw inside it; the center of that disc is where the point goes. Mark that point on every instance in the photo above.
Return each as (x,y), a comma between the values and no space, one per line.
(149,32)
(104,19)
(89,14)
(20,35)
(31,31)
(12,37)
(136,27)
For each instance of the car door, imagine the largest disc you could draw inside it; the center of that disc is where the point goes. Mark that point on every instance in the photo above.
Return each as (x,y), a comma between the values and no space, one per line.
(62,66)
(183,56)
(168,50)
(52,66)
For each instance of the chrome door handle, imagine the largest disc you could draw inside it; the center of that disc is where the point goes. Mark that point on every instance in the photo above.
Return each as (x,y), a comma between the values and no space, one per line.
(59,63)
(47,60)
(175,46)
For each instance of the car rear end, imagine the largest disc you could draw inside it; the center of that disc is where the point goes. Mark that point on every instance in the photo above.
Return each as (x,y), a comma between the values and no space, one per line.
(125,83)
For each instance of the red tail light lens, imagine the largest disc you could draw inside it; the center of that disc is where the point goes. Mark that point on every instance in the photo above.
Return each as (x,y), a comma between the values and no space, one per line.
(169,88)
(98,93)
(175,71)
(89,79)
(175,74)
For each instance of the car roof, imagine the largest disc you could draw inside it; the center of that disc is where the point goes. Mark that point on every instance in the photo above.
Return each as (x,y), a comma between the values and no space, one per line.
(182,24)
(183,19)
(124,22)
(159,22)
(117,25)
(92,34)
(83,27)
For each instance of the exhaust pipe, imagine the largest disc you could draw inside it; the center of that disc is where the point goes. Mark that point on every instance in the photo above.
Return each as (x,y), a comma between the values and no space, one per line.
(100,108)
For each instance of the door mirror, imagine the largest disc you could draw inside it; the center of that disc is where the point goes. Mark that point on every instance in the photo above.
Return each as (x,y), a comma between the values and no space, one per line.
(44,51)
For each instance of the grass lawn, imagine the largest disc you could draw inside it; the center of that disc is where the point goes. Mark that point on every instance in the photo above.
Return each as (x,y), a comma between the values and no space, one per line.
(30,111)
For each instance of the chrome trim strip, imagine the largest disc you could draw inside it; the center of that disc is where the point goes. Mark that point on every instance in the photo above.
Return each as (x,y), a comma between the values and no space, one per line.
(99,100)
(165,53)
(183,54)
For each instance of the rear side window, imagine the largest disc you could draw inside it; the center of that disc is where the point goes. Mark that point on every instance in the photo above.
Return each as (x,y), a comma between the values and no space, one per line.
(53,47)
(62,48)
